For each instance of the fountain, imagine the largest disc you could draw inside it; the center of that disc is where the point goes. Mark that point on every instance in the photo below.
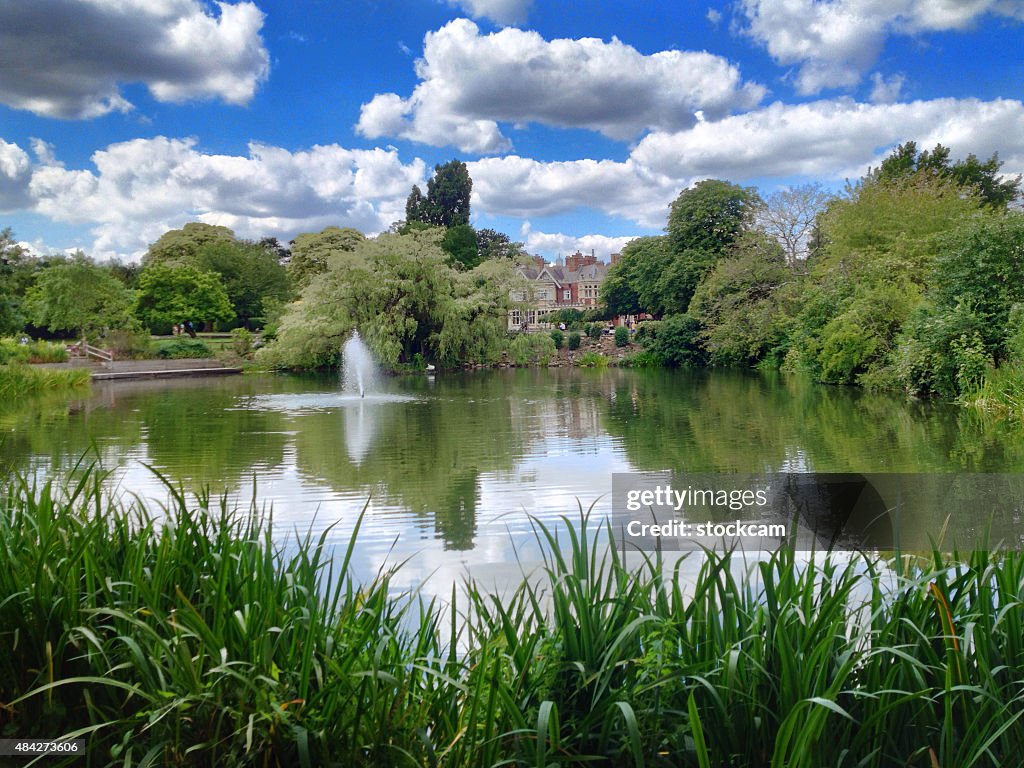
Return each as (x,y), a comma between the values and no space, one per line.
(357,367)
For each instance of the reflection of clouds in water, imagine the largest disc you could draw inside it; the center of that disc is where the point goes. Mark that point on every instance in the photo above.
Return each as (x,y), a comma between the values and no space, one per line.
(318,401)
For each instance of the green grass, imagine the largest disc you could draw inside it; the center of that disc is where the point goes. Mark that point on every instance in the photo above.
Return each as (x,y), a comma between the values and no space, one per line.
(18,380)
(185,636)
(1001,392)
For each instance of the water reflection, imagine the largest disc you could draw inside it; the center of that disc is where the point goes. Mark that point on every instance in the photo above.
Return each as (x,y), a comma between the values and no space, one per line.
(453,465)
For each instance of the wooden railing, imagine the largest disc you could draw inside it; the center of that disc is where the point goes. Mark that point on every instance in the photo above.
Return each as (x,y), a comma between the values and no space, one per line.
(87,350)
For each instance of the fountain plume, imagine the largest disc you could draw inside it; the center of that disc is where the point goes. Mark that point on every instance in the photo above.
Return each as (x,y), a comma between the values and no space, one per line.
(358,370)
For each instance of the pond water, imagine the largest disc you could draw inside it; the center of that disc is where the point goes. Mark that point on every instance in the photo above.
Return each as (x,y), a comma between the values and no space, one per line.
(451,468)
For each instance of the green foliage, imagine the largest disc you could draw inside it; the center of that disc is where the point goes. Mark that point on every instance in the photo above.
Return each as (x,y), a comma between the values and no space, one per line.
(621,336)
(133,344)
(459,242)
(574,340)
(1015,334)
(404,298)
(17,272)
(18,380)
(592,359)
(709,216)
(78,296)
(311,252)
(241,342)
(982,178)
(13,351)
(678,342)
(251,276)
(169,295)
(740,303)
(446,203)
(184,348)
(558,338)
(180,246)
(531,349)
(640,281)
(927,364)
(497,245)
(647,331)
(594,331)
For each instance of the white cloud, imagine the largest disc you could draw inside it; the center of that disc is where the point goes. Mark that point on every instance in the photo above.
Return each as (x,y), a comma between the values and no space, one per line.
(551,244)
(69,58)
(834,42)
(833,139)
(143,187)
(886,90)
(471,82)
(519,186)
(504,12)
(15,174)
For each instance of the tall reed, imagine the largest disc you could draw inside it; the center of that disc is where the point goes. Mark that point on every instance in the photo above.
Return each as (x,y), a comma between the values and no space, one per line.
(186,635)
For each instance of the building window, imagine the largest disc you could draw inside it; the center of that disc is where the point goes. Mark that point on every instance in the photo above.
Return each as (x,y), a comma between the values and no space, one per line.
(515,317)
(566,294)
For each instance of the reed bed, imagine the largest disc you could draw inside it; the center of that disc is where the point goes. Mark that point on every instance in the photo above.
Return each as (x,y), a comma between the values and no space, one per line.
(185,636)
(12,350)
(18,380)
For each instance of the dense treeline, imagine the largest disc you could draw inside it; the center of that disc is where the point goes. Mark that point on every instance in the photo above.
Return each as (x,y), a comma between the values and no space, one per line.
(911,279)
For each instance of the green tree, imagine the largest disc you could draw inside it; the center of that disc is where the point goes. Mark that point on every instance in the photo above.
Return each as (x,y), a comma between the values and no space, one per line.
(740,303)
(447,201)
(179,246)
(491,244)
(77,295)
(982,177)
(311,251)
(460,243)
(169,295)
(17,272)
(250,273)
(406,301)
(637,283)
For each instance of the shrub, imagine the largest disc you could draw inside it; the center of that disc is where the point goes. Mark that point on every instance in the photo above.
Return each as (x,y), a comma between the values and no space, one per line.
(678,341)
(647,332)
(574,340)
(13,351)
(594,331)
(558,337)
(531,349)
(591,359)
(129,345)
(621,336)
(241,342)
(184,348)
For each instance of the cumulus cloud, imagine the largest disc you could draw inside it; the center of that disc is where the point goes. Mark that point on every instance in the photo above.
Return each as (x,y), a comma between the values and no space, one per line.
(69,58)
(886,90)
(552,244)
(504,12)
(520,186)
(471,82)
(833,42)
(833,138)
(15,174)
(143,187)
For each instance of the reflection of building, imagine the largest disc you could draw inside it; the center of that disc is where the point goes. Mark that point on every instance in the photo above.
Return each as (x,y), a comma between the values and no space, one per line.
(550,287)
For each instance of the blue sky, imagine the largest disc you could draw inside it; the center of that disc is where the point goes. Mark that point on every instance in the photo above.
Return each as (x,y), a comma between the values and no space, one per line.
(120,119)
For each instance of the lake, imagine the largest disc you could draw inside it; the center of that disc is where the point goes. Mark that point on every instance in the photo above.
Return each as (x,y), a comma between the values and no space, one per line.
(451,468)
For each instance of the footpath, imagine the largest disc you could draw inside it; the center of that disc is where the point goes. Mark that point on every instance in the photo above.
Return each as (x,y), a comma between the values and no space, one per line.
(148,369)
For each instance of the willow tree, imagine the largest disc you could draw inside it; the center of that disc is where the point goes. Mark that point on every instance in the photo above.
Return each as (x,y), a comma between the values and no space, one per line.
(406,301)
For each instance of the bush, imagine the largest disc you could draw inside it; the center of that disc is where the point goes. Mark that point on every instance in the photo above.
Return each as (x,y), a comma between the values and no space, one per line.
(645,358)
(574,340)
(591,359)
(128,345)
(594,331)
(647,332)
(621,336)
(558,337)
(531,349)
(678,341)
(241,342)
(184,348)
(13,351)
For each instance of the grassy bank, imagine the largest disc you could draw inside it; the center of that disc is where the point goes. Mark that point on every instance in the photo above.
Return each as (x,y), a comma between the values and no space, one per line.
(18,380)
(199,642)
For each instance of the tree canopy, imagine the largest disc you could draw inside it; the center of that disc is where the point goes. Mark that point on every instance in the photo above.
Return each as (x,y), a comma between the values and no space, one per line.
(170,294)
(311,250)
(76,295)
(446,203)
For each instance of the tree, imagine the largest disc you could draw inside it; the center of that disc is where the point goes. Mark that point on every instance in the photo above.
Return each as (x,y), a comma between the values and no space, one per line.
(311,252)
(169,295)
(703,224)
(17,269)
(460,243)
(447,201)
(251,275)
(178,246)
(790,216)
(635,284)
(905,162)
(77,295)
(491,244)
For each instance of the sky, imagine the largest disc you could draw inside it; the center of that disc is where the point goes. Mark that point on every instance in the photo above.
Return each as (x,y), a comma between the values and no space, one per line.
(580,123)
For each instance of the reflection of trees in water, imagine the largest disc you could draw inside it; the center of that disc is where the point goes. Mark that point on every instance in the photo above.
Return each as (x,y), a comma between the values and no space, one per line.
(193,432)
(428,456)
(731,421)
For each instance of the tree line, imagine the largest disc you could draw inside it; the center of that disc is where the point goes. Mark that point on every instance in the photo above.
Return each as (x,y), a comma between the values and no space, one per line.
(912,278)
